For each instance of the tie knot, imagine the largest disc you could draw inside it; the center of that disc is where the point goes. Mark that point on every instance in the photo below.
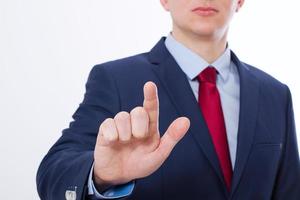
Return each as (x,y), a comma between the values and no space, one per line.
(209,74)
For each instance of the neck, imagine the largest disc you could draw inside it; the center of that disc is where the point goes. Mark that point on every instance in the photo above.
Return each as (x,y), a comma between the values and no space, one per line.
(208,47)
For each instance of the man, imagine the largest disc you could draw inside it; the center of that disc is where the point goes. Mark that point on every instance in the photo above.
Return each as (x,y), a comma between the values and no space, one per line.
(221,129)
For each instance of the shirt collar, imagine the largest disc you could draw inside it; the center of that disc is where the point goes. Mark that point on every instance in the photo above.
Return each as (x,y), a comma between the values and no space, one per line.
(192,64)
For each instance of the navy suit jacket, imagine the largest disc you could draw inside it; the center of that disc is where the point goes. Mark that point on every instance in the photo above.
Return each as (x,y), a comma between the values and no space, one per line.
(267,161)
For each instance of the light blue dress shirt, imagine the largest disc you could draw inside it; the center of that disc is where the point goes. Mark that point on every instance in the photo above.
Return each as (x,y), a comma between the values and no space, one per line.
(228,84)
(112,193)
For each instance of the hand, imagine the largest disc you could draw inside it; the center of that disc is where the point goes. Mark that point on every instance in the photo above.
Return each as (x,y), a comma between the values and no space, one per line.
(129,146)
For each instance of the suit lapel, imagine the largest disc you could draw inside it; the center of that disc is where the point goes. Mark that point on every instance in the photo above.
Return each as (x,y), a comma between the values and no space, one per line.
(176,84)
(249,96)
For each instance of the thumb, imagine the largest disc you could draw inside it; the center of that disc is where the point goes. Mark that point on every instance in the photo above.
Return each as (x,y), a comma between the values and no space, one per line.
(172,136)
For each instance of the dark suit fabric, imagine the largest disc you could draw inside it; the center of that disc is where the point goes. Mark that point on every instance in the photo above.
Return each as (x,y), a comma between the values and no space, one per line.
(267,161)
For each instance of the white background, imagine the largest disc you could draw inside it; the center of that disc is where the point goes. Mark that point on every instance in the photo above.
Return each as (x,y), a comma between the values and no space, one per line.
(47,49)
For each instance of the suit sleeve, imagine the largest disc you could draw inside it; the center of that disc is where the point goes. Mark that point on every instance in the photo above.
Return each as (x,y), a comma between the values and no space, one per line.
(288,178)
(67,165)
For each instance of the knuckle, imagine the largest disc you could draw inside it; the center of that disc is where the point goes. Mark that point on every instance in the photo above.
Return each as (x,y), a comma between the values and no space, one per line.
(108,130)
(122,116)
(140,132)
(125,138)
(139,111)
(138,135)
(139,122)
(122,120)
(110,137)
(103,126)
(107,123)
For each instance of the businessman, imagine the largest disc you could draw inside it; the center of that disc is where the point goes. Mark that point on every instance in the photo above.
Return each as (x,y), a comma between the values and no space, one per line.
(187,120)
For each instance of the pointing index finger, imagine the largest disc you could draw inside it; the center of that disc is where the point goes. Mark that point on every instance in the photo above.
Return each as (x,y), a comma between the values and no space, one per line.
(151,105)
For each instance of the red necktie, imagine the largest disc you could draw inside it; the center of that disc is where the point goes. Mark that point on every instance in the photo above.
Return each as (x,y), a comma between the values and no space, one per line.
(210,104)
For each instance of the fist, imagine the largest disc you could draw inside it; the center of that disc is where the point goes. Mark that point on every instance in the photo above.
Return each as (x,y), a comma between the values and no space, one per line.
(129,145)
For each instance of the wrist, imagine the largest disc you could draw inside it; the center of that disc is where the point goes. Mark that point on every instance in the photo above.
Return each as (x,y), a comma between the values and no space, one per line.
(100,184)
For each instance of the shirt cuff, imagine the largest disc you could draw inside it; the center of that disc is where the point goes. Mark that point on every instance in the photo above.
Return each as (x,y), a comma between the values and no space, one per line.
(114,192)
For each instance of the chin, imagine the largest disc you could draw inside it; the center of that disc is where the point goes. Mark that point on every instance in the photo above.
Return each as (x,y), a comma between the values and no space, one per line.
(200,29)
(205,31)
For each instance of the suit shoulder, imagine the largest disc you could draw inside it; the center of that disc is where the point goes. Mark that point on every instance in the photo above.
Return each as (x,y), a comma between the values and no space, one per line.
(134,62)
(265,78)
(271,88)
